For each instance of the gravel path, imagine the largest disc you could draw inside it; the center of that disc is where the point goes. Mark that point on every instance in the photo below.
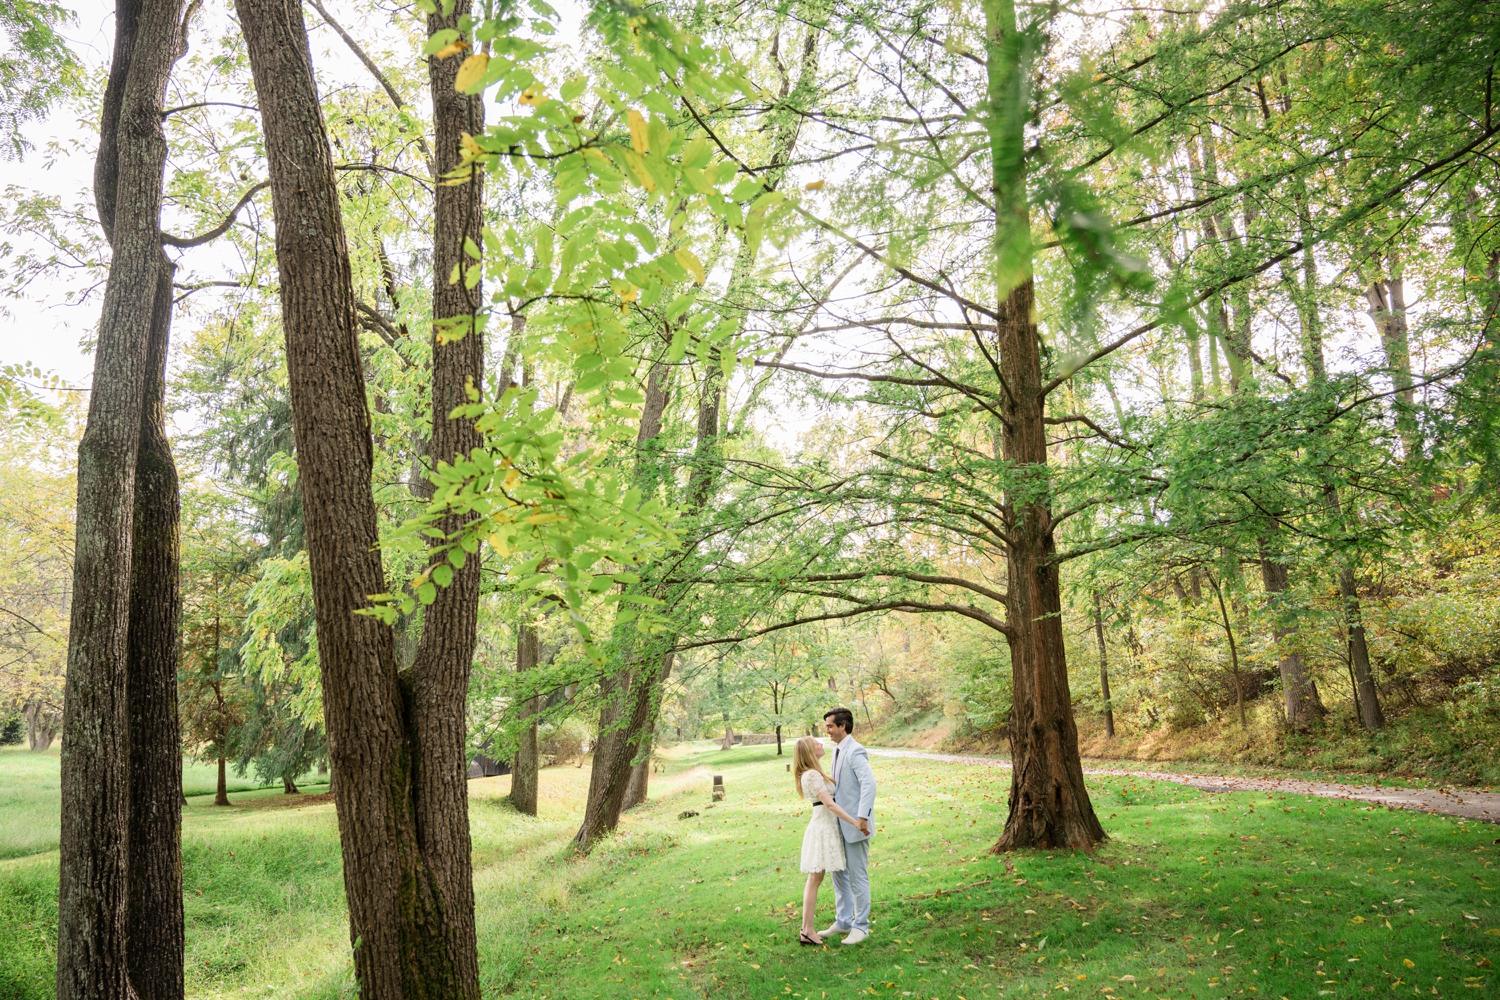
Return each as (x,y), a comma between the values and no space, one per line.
(1483,806)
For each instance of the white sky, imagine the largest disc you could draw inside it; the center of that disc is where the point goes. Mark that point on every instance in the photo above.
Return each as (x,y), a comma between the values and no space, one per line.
(47,332)
(43,328)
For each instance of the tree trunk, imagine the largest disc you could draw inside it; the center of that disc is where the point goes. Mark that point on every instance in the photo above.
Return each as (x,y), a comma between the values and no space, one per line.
(640,773)
(1370,712)
(155,922)
(614,763)
(94,866)
(1366,698)
(637,725)
(778,736)
(39,731)
(1049,805)
(221,791)
(439,677)
(395,900)
(1387,309)
(1234,653)
(525,776)
(1303,707)
(639,785)
(610,774)
(1109,708)
(289,786)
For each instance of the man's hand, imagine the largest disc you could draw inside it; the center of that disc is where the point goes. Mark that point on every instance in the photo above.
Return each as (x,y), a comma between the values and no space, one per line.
(864,826)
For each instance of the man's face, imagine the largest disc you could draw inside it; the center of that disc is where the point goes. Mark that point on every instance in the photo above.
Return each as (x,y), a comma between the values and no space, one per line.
(836,732)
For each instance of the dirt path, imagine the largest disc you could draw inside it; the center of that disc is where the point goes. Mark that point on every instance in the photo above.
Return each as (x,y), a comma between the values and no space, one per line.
(1483,806)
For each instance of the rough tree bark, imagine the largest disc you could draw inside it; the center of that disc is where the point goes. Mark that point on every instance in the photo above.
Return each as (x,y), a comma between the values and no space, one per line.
(439,677)
(395,899)
(525,774)
(639,785)
(155,931)
(94,860)
(1049,805)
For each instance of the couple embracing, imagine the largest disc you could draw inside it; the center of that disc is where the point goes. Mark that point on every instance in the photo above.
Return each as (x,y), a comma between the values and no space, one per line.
(837,841)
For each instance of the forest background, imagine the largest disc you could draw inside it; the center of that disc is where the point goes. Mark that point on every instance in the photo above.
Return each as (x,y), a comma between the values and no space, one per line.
(654,371)
(1385,319)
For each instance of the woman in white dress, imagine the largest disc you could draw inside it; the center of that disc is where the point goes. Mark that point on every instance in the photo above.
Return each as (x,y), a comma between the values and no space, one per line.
(822,843)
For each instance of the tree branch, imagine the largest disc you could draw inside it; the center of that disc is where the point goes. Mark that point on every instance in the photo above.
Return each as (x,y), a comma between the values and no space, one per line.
(219,230)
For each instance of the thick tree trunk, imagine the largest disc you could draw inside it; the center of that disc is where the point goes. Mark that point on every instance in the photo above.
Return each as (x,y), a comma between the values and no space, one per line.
(395,900)
(289,786)
(1304,709)
(526,774)
(94,864)
(439,677)
(1049,806)
(636,724)
(221,791)
(1109,708)
(632,722)
(155,839)
(639,784)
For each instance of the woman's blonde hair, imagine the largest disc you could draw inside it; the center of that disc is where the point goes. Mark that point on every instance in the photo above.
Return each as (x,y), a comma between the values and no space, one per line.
(804,760)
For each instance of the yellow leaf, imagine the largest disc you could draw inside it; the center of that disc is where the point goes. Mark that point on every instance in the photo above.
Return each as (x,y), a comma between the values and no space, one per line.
(471,72)
(511,478)
(814,186)
(451,49)
(1408,963)
(691,264)
(470,146)
(1359,920)
(638,167)
(631,295)
(533,96)
(544,518)
(638,139)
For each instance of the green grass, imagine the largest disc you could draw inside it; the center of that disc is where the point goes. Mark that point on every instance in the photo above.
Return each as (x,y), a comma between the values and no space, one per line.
(1195,896)
(29,795)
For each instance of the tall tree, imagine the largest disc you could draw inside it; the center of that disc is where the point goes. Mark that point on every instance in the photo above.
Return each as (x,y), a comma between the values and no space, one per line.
(105,651)
(396,897)
(439,676)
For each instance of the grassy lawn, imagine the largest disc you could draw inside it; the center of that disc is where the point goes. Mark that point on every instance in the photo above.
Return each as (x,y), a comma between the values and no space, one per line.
(1195,896)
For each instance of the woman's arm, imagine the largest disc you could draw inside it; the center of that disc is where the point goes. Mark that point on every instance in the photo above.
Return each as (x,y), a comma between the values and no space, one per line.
(833,807)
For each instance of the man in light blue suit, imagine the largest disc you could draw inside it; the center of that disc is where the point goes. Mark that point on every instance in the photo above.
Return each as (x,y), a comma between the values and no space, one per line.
(854,791)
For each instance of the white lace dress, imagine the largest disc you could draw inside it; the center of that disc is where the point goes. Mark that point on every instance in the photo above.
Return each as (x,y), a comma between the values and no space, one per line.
(823,843)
